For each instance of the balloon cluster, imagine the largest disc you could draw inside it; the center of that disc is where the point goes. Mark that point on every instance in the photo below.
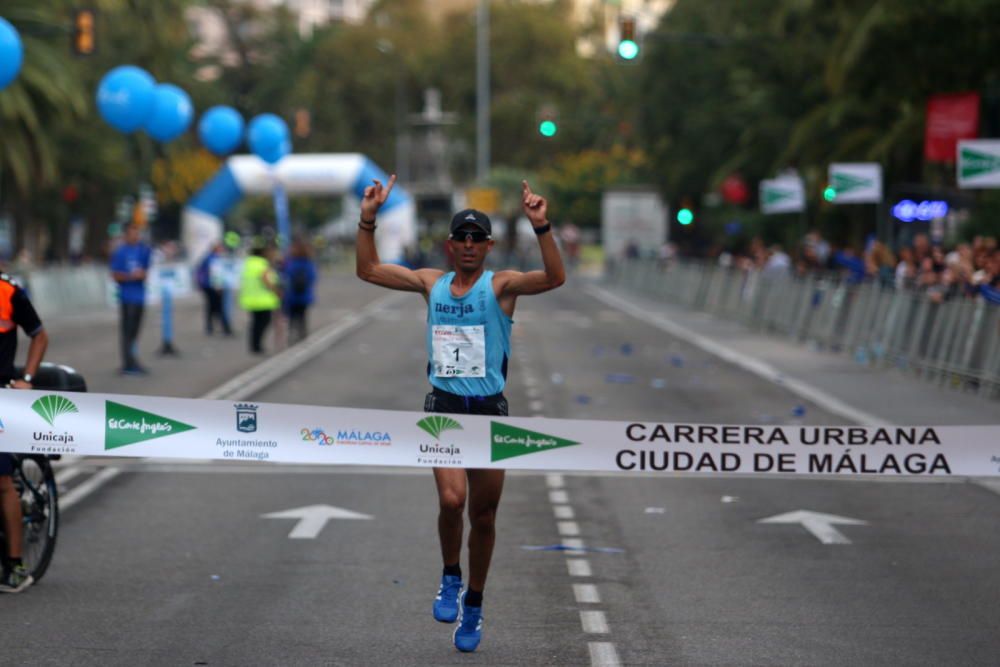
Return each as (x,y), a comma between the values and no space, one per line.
(129,99)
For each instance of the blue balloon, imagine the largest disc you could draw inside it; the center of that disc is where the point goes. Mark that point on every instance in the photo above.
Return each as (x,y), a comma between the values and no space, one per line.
(172,113)
(11,53)
(221,130)
(125,97)
(269,138)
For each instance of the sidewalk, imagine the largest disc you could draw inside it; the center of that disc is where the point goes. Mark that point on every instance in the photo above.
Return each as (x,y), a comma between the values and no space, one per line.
(887,394)
(89,342)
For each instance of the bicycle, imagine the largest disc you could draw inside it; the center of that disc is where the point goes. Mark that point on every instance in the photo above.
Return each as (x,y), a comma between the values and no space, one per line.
(36,486)
(35,483)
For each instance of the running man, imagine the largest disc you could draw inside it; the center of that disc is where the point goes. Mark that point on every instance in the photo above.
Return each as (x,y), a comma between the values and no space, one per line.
(466,377)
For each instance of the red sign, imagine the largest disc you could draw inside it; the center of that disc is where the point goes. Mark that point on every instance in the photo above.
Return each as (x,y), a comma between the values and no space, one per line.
(949,118)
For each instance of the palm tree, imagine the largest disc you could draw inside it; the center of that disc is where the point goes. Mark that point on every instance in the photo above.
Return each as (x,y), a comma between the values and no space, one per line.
(45,93)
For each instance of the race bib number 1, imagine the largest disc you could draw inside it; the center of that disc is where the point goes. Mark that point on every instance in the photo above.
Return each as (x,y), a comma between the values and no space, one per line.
(459,351)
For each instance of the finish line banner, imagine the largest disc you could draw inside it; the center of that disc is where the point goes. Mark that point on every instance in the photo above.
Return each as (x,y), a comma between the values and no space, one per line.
(112,425)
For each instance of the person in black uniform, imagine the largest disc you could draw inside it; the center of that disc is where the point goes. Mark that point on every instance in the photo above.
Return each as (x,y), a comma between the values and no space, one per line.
(15,311)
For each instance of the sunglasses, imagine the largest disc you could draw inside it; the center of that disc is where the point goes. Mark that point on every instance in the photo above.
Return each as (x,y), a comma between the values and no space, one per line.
(475,237)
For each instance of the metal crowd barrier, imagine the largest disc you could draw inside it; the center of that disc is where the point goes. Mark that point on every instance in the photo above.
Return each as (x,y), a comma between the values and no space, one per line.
(955,343)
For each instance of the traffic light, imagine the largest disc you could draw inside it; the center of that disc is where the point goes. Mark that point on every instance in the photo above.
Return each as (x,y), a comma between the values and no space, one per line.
(548,121)
(628,45)
(829,193)
(685,216)
(84,32)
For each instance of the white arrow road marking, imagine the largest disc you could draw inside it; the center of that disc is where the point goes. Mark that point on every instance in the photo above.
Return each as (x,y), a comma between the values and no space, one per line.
(819,524)
(312,519)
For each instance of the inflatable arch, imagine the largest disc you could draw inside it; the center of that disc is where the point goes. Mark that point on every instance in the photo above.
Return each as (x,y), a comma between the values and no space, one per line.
(317,173)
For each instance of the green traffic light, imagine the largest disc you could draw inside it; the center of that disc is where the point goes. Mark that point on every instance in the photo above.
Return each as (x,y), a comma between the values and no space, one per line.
(547,128)
(685,216)
(628,49)
(829,193)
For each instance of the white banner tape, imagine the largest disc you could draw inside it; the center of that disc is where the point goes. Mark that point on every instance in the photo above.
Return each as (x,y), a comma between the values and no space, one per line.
(146,426)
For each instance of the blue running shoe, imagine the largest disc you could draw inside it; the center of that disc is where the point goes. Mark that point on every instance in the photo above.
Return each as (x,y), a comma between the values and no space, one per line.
(446,602)
(470,628)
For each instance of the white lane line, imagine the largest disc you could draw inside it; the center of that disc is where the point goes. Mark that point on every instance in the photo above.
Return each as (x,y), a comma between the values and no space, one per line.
(586,594)
(572,543)
(579,567)
(63,475)
(603,654)
(532,393)
(594,622)
(260,376)
(536,406)
(555,480)
(990,485)
(80,492)
(761,369)
(558,497)
(528,380)
(568,527)
(564,512)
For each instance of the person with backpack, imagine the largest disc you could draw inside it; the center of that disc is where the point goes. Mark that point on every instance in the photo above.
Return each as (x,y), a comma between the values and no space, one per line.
(299,277)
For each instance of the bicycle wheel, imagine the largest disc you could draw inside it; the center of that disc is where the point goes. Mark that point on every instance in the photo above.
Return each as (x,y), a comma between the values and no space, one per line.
(40,506)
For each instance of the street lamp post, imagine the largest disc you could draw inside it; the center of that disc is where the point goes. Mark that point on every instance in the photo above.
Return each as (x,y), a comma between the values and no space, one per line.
(483,90)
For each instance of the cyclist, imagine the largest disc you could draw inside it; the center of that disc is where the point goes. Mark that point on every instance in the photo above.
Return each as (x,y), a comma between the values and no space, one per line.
(469,318)
(15,311)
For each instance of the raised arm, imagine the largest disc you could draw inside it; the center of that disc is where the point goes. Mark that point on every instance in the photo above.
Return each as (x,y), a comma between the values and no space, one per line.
(515,283)
(369,268)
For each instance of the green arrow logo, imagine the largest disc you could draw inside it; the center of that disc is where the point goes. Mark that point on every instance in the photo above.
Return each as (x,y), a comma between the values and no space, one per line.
(844,183)
(125,425)
(773,196)
(974,163)
(509,441)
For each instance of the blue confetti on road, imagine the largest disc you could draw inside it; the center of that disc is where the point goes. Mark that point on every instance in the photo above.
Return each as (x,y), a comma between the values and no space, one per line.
(582,399)
(563,547)
(799,411)
(677,361)
(619,378)
(657,383)
(627,349)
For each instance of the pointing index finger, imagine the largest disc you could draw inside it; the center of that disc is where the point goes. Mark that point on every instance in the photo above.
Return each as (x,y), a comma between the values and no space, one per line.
(525,188)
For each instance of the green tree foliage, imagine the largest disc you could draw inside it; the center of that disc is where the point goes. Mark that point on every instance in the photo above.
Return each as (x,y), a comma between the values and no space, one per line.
(762,85)
(576,181)
(44,94)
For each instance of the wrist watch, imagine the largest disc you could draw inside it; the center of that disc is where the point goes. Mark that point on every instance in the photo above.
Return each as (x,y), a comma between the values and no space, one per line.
(27,377)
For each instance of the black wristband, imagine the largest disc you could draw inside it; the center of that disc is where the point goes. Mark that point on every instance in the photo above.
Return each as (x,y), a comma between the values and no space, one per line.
(367,226)
(544,228)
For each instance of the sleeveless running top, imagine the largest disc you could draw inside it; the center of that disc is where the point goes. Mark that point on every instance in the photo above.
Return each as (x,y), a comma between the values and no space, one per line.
(468,338)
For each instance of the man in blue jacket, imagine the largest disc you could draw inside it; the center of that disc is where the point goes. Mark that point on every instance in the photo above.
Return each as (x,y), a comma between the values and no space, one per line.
(129,266)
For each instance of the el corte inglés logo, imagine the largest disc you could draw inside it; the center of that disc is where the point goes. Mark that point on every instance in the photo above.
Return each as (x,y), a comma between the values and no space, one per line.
(844,183)
(125,425)
(508,441)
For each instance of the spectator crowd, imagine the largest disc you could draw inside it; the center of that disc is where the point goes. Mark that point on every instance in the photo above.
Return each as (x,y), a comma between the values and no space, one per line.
(967,270)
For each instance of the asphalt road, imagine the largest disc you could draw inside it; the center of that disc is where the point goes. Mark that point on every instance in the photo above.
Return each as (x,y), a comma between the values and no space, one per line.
(173,563)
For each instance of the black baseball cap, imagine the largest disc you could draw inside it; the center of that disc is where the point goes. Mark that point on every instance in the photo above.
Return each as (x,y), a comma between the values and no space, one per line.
(471,216)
